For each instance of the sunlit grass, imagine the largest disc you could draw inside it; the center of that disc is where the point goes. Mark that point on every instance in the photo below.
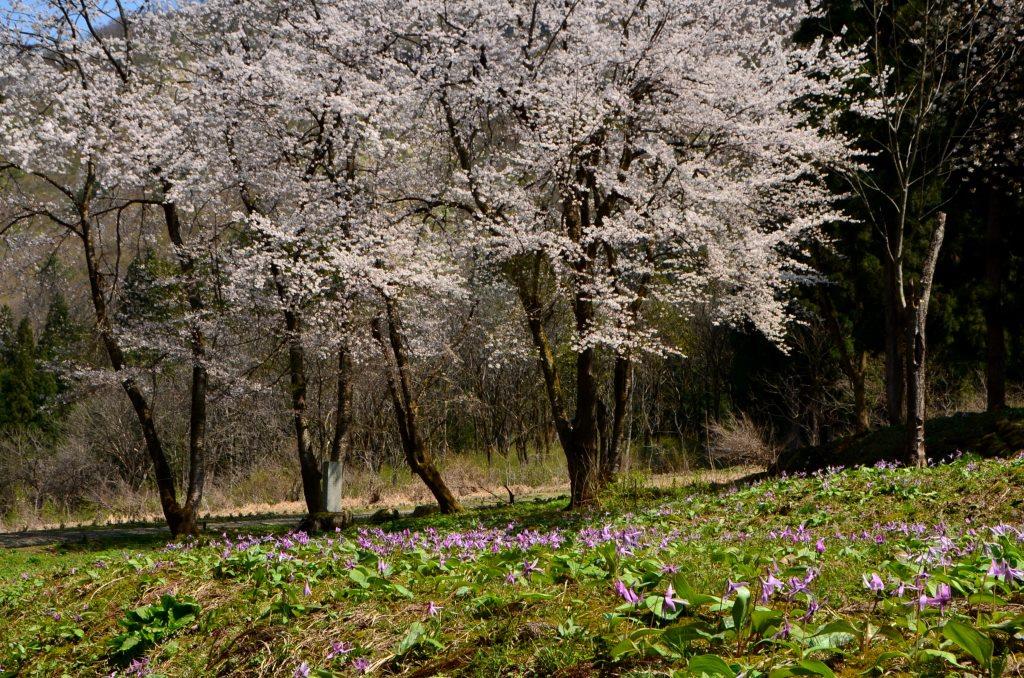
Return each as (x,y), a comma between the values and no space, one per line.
(871,570)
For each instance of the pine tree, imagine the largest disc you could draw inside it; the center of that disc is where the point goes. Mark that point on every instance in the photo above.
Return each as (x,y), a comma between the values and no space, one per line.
(25,389)
(60,333)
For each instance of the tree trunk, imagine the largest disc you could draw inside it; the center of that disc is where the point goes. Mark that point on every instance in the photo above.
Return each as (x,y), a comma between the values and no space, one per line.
(995,328)
(621,385)
(431,477)
(200,376)
(343,418)
(916,317)
(582,455)
(584,448)
(388,336)
(580,438)
(895,362)
(177,520)
(312,489)
(916,388)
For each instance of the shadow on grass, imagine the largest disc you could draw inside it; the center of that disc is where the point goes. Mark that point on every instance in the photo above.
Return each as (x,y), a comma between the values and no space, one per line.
(987,434)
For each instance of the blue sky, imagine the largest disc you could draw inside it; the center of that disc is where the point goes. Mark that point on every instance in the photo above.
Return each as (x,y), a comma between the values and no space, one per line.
(108,7)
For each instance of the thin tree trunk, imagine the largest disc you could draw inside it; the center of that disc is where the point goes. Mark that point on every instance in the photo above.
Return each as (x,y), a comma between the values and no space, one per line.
(915,389)
(895,360)
(585,457)
(580,438)
(388,336)
(916,318)
(308,469)
(995,328)
(343,418)
(621,385)
(200,376)
(162,473)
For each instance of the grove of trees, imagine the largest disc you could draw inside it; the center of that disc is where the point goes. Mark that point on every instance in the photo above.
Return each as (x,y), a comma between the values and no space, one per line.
(436,227)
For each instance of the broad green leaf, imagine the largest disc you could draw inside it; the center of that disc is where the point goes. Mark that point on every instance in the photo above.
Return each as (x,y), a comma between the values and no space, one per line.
(948,657)
(815,667)
(624,648)
(679,637)
(762,619)
(804,667)
(740,607)
(127,643)
(402,591)
(972,641)
(986,598)
(412,638)
(710,665)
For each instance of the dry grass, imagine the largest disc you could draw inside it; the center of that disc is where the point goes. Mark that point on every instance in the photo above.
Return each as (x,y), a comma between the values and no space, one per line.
(472,489)
(738,440)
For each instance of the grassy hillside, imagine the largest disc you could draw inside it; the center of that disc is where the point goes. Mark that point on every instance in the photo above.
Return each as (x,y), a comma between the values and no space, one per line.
(984,433)
(866,571)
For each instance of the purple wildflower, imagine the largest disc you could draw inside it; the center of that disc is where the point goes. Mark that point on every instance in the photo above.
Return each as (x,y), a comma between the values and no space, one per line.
(819,546)
(339,649)
(940,600)
(734,586)
(301,671)
(628,594)
(670,599)
(1003,570)
(433,609)
(362,665)
(769,586)
(138,667)
(874,583)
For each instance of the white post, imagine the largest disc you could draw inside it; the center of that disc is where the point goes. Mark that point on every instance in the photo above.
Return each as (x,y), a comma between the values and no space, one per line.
(333,485)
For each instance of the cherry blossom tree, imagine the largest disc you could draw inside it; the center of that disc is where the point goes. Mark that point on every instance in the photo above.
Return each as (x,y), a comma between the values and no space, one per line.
(89,145)
(621,161)
(614,164)
(313,142)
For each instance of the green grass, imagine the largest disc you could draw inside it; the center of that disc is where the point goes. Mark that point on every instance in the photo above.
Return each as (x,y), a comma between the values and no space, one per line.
(530,590)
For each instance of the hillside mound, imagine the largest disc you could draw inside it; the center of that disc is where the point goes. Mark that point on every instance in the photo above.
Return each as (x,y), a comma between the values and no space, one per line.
(988,434)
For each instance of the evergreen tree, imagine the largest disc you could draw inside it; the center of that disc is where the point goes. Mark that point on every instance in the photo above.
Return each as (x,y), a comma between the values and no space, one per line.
(25,389)
(60,333)
(6,335)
